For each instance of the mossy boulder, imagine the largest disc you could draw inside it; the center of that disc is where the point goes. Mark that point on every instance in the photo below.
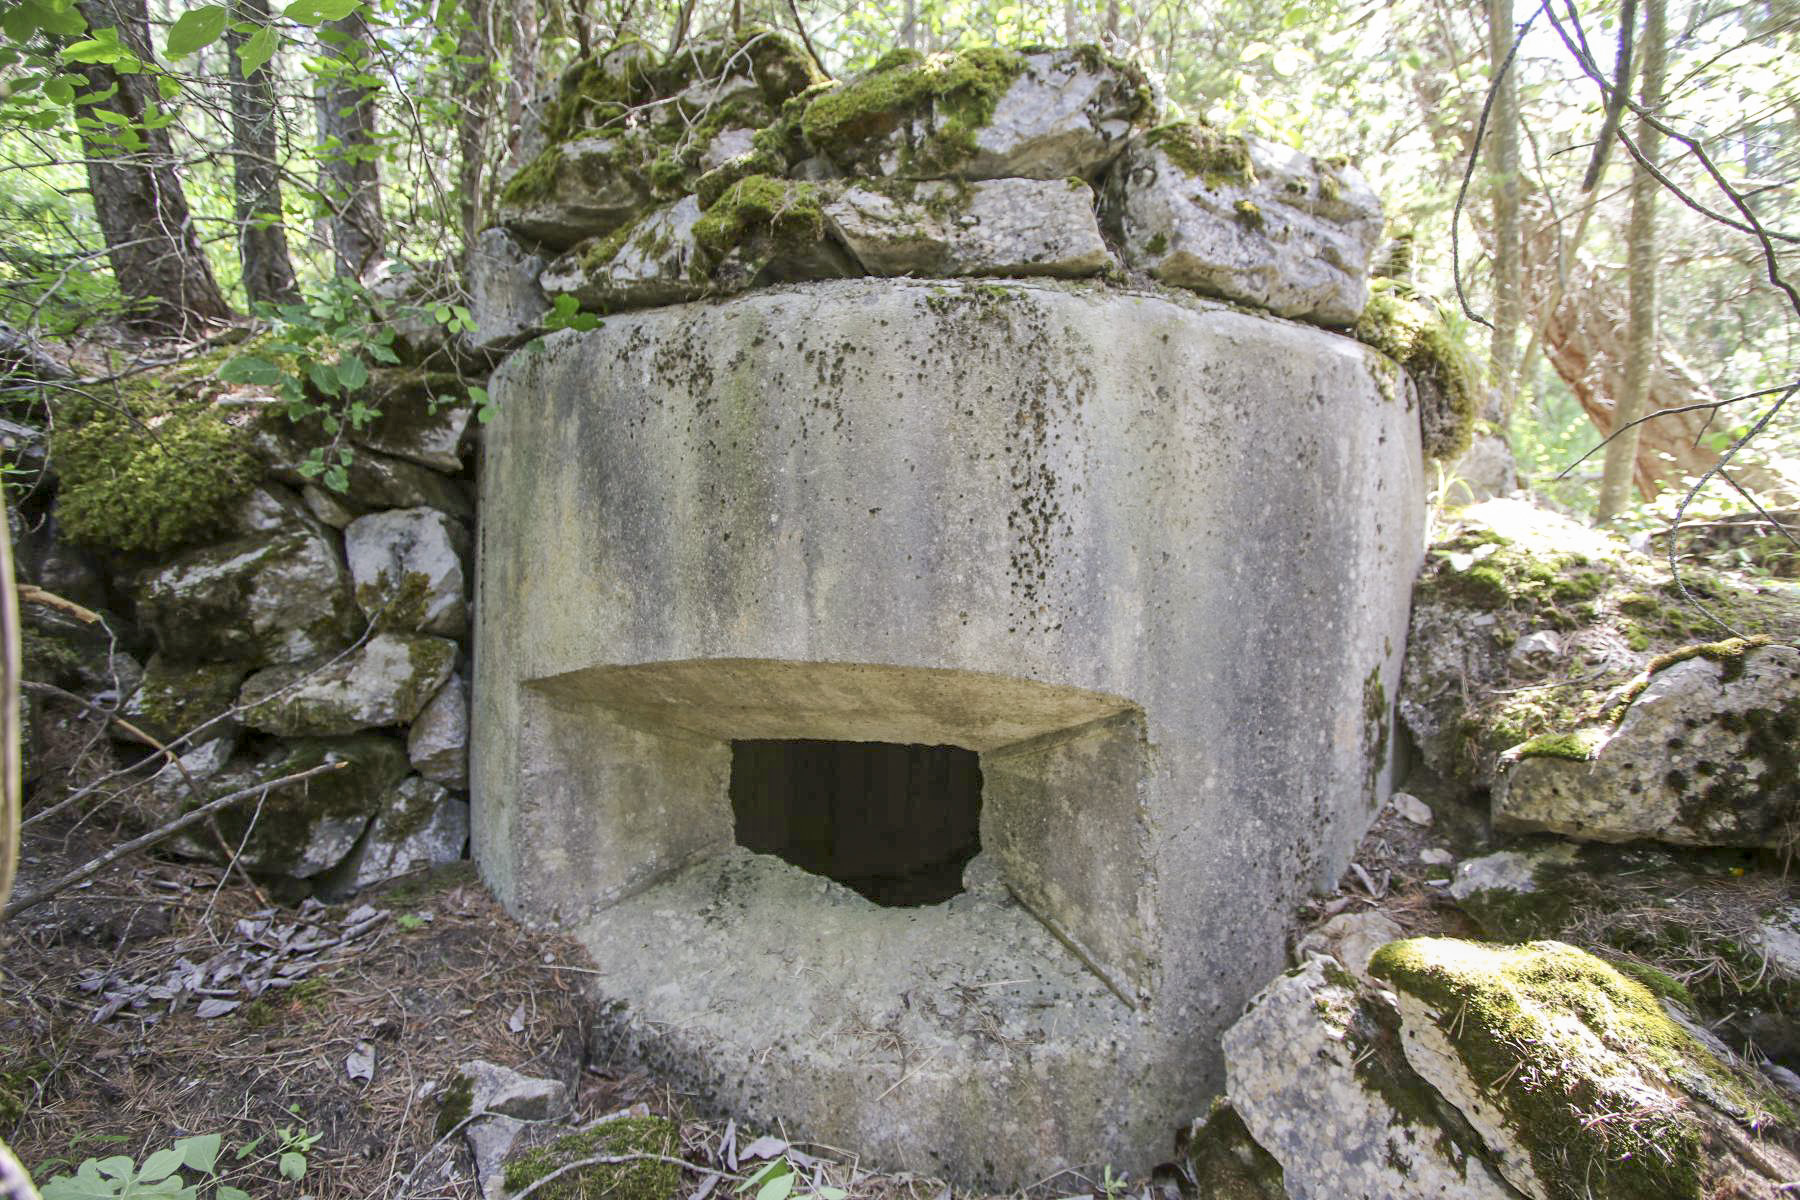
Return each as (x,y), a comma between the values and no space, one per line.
(1315,1069)
(383,682)
(425,418)
(1411,330)
(260,599)
(407,565)
(419,825)
(150,472)
(1578,1077)
(1704,754)
(1226,1162)
(1503,572)
(640,1179)
(1246,220)
(176,697)
(302,830)
(983,113)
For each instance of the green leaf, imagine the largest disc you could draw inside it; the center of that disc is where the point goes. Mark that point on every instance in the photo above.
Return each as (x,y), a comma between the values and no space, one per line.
(352,372)
(227,1192)
(777,1188)
(479,395)
(196,29)
(258,50)
(64,22)
(247,368)
(293,1163)
(248,1148)
(382,354)
(324,376)
(200,1153)
(317,12)
(160,1165)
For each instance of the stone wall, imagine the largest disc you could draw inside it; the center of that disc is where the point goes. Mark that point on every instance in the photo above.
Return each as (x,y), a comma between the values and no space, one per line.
(247,623)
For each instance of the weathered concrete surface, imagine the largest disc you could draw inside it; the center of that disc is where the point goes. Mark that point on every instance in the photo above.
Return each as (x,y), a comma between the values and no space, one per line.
(1147,555)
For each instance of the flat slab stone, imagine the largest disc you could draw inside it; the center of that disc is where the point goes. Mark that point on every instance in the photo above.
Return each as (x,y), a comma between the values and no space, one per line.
(1015,227)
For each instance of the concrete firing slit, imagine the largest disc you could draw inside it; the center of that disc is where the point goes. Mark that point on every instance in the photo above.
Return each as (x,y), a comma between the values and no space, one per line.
(894,823)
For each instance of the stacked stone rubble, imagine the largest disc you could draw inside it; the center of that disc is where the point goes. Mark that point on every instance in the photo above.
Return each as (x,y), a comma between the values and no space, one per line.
(313,626)
(734,165)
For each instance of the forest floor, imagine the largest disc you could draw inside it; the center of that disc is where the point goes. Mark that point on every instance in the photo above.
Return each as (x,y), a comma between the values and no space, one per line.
(106,1048)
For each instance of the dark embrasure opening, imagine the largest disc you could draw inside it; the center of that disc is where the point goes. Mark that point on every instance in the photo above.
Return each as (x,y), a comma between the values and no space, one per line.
(897,823)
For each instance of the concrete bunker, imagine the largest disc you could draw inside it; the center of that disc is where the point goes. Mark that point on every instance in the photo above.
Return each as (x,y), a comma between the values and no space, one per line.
(1147,559)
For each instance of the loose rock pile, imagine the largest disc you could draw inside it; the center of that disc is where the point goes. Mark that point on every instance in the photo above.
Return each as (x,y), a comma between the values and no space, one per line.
(734,165)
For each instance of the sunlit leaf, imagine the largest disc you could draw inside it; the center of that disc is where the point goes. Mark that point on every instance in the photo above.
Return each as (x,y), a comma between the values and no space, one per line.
(196,29)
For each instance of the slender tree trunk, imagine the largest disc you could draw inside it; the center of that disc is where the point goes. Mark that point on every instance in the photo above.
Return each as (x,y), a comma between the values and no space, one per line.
(1641,247)
(350,176)
(909,25)
(522,82)
(475,49)
(262,237)
(1503,162)
(135,184)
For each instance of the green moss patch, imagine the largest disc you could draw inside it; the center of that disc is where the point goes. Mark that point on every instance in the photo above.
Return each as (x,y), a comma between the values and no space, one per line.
(1585,1067)
(1578,746)
(1203,153)
(959,89)
(149,473)
(786,211)
(1409,331)
(643,1179)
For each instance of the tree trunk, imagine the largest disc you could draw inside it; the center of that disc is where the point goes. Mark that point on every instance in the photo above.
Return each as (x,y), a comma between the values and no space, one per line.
(522,81)
(262,237)
(1640,241)
(1503,165)
(135,184)
(475,49)
(350,177)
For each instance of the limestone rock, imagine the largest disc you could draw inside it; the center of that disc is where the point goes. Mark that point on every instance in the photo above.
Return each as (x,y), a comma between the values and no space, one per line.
(419,825)
(653,263)
(1571,1071)
(175,698)
(1704,756)
(405,296)
(1246,220)
(302,830)
(760,231)
(1411,808)
(489,1142)
(438,742)
(505,298)
(1351,939)
(1778,938)
(258,600)
(1225,1161)
(326,507)
(171,789)
(376,480)
(407,566)
(1053,114)
(385,681)
(424,419)
(502,1091)
(995,227)
(584,187)
(1315,1070)
(1486,470)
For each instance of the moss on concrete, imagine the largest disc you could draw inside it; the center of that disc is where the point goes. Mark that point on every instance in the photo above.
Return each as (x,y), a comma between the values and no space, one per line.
(536,179)
(1410,332)
(1555,1038)
(643,1179)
